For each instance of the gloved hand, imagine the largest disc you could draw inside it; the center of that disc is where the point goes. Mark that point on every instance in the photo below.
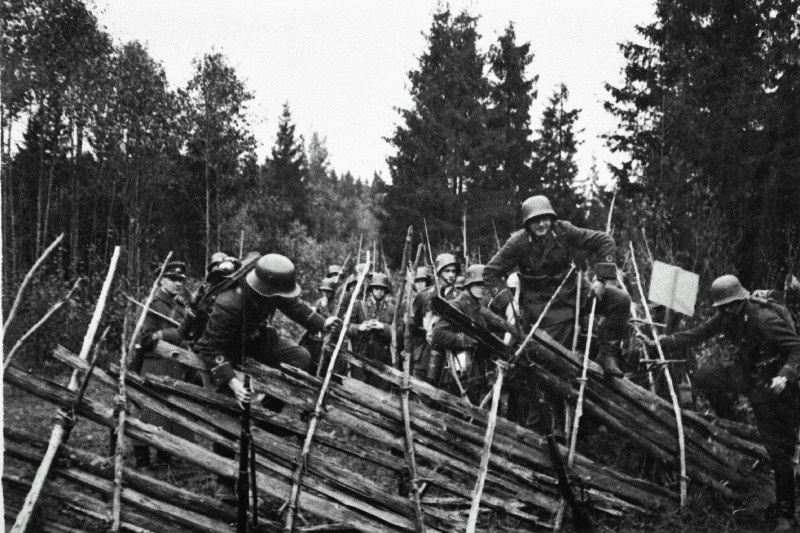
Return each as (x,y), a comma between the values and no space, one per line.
(333,324)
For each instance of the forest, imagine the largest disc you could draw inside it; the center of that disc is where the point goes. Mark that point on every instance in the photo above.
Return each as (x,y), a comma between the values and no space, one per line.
(97,146)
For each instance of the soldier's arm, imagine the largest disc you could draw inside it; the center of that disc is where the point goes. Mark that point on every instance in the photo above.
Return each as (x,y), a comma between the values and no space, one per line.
(781,333)
(694,336)
(503,263)
(387,327)
(497,321)
(599,243)
(302,313)
(356,319)
(444,336)
(224,324)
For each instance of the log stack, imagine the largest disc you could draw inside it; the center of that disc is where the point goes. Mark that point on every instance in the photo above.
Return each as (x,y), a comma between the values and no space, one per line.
(357,455)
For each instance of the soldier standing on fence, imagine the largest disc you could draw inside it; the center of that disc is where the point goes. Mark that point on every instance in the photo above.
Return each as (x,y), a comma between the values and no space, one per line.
(543,252)
(766,369)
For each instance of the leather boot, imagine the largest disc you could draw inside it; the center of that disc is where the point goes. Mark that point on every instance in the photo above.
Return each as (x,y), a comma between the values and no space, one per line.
(608,359)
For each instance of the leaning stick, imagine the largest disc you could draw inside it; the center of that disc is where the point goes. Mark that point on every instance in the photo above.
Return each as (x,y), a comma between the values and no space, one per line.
(39,324)
(611,213)
(326,342)
(464,236)
(411,461)
(403,267)
(477,492)
(21,524)
(573,440)
(527,341)
(496,238)
(153,312)
(312,425)
(122,402)
(635,319)
(28,278)
(568,414)
(675,405)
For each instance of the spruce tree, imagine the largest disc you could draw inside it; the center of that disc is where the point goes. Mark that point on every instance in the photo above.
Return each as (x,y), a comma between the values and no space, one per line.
(554,160)
(287,167)
(512,94)
(442,146)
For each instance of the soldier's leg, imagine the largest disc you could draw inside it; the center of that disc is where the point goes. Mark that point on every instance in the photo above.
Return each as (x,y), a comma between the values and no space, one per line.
(777,423)
(615,305)
(718,383)
(436,361)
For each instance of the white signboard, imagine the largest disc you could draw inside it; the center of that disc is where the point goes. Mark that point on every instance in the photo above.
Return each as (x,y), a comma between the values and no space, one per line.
(674,287)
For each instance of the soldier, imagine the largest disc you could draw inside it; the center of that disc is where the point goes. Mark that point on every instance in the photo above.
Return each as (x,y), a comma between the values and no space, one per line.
(543,252)
(766,369)
(325,306)
(422,279)
(237,327)
(334,274)
(470,361)
(371,324)
(170,302)
(429,366)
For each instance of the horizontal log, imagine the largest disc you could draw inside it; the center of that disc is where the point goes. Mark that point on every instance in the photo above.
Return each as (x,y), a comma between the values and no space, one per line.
(89,506)
(193,453)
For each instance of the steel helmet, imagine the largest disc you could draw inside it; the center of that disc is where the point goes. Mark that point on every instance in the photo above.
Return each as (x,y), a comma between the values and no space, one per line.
(536,206)
(459,282)
(727,289)
(445,260)
(327,285)
(423,273)
(333,270)
(380,280)
(512,282)
(473,275)
(274,275)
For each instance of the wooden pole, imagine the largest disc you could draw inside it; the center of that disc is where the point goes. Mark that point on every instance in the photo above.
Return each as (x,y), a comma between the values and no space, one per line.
(464,236)
(39,324)
(403,268)
(676,406)
(28,278)
(573,441)
(496,238)
(477,492)
(122,403)
(411,461)
(312,426)
(153,312)
(21,523)
(241,244)
(327,341)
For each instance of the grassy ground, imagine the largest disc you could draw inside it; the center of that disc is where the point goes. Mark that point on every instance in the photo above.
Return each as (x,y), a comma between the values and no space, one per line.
(704,512)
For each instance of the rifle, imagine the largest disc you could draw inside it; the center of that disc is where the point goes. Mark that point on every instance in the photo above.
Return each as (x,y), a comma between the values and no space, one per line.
(246,479)
(580,512)
(196,320)
(468,326)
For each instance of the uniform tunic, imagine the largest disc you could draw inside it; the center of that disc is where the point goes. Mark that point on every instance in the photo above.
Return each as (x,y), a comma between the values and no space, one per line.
(543,263)
(768,346)
(427,363)
(237,325)
(373,344)
(174,307)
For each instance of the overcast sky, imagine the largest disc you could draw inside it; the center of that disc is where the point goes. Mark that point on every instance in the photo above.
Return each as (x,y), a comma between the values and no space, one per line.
(342,65)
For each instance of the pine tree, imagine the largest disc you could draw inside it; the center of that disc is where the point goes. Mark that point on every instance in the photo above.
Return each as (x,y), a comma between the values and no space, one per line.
(512,95)
(442,147)
(554,160)
(287,167)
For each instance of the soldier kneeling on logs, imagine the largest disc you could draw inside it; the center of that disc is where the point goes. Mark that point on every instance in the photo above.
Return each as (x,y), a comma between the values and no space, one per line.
(766,369)
(238,325)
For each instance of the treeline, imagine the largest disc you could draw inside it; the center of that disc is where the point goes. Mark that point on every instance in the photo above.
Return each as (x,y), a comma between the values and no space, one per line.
(709,123)
(467,145)
(112,155)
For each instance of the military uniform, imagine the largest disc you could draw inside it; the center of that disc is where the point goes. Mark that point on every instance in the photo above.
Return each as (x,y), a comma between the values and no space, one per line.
(237,326)
(542,265)
(466,351)
(147,363)
(373,344)
(427,362)
(768,346)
